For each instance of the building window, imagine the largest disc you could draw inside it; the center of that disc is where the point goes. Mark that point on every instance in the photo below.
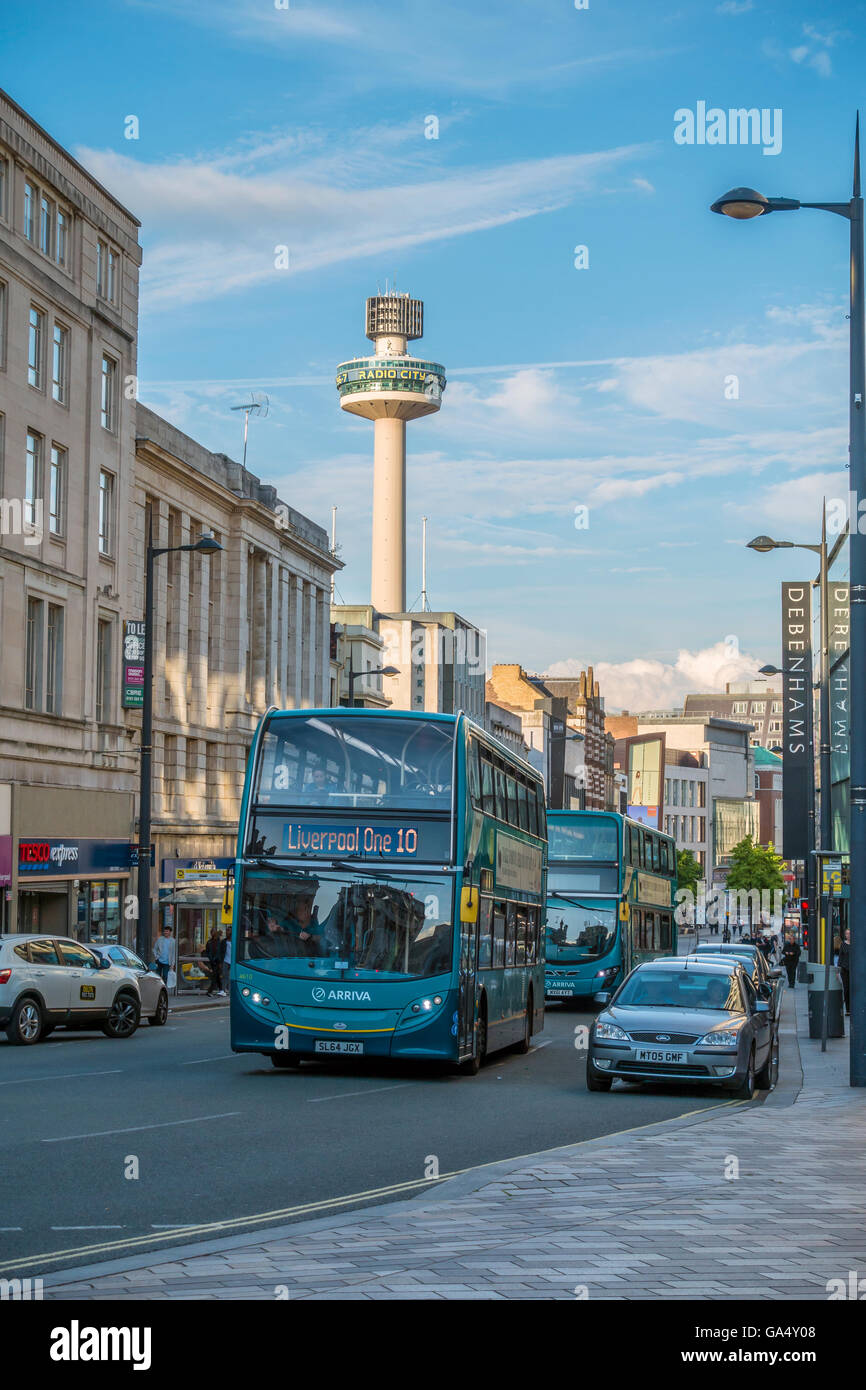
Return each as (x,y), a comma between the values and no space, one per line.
(108,401)
(4,189)
(35,347)
(776,707)
(54,664)
(61,241)
(107,267)
(106,513)
(759,707)
(33,656)
(741,707)
(103,671)
(4,300)
(60,364)
(57,491)
(33,479)
(111,282)
(29,210)
(46,225)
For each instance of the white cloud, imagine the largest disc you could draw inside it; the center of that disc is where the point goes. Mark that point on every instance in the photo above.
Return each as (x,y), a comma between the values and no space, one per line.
(645,684)
(211,227)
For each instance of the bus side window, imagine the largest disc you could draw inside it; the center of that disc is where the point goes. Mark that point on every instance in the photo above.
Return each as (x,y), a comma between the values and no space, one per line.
(510,934)
(472,751)
(520,950)
(532,808)
(665,941)
(522,806)
(498,934)
(651,932)
(542,814)
(656,853)
(488,795)
(485,937)
(531,935)
(511,791)
(637,917)
(501,802)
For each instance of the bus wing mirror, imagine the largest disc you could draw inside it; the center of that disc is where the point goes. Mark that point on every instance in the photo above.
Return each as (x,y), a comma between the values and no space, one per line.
(469,904)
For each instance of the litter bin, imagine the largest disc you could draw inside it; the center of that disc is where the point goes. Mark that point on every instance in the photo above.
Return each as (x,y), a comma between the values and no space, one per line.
(835,1014)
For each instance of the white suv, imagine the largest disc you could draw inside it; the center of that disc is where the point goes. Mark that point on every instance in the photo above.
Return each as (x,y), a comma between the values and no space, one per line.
(51,981)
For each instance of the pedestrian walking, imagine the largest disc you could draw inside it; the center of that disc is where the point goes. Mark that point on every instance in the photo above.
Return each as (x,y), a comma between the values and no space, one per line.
(844,968)
(790,957)
(227,962)
(214,956)
(164,953)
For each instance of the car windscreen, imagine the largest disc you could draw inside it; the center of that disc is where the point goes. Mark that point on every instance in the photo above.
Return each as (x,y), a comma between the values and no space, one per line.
(655,988)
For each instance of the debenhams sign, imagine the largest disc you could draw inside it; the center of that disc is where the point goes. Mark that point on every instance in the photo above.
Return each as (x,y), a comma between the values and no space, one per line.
(796,718)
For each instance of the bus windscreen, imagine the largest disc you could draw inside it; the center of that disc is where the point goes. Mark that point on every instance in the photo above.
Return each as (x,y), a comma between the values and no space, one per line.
(352,762)
(581,839)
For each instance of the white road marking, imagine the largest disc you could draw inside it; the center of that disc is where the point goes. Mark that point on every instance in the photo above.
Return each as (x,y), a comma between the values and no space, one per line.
(345,1095)
(11,1228)
(171,1226)
(226,1057)
(87,1228)
(133,1129)
(539,1046)
(60,1076)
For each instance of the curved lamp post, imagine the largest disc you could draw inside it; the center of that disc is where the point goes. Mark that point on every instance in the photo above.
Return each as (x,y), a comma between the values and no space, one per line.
(743,205)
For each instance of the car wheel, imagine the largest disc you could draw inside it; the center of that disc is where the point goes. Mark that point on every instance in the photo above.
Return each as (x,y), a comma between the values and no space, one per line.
(160,1014)
(123,1017)
(25,1027)
(768,1076)
(594,1082)
(285,1060)
(522,1047)
(746,1088)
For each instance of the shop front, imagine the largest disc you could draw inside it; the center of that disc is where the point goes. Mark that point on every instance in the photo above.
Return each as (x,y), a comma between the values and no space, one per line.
(76,888)
(5,880)
(195,900)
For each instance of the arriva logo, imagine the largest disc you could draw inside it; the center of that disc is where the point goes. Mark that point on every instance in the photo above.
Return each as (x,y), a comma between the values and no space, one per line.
(357,996)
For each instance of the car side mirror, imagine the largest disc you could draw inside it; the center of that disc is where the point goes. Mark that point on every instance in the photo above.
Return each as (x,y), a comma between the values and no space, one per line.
(104,963)
(776,973)
(603,996)
(762,1007)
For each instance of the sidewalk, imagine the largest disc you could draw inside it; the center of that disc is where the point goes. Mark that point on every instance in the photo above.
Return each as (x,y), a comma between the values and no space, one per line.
(647,1214)
(180,1003)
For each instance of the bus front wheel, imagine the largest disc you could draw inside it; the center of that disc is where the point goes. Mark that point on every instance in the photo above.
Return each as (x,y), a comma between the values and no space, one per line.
(472,1065)
(522,1047)
(285,1059)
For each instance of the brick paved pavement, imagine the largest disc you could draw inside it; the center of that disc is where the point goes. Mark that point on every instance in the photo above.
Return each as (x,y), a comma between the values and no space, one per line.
(643,1215)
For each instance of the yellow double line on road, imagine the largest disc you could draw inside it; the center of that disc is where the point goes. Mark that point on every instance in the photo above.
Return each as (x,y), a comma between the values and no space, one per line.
(215,1228)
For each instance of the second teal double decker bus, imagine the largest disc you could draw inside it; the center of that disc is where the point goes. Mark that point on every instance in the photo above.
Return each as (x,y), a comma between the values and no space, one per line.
(610,900)
(389,890)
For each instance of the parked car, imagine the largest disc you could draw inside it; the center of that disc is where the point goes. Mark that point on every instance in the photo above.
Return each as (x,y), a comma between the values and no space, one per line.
(151,987)
(48,982)
(767,979)
(681,1018)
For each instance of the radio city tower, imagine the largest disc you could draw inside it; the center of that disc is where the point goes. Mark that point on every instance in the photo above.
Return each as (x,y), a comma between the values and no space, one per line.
(390,388)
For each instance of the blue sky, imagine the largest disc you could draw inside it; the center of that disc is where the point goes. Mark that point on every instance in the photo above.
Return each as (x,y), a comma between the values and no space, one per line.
(602,387)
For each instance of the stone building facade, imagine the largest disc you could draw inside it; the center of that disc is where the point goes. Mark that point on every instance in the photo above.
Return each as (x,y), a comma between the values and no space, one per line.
(69,264)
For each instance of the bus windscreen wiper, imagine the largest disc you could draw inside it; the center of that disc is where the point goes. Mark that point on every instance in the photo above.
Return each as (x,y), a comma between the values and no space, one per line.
(566,897)
(349,866)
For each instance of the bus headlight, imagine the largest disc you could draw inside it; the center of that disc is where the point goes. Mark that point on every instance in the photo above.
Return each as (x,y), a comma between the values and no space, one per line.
(415,1011)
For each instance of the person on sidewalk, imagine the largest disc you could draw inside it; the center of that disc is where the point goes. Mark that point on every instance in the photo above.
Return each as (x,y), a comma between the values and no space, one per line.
(163,953)
(790,957)
(227,962)
(844,968)
(214,956)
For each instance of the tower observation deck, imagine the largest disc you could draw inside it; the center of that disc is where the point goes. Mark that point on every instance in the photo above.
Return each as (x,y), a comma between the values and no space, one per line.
(390,388)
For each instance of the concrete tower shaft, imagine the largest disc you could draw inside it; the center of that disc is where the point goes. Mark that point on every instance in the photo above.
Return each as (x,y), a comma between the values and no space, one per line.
(390,388)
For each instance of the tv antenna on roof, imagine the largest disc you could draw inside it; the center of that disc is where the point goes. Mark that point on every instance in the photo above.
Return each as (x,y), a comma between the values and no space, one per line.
(258,405)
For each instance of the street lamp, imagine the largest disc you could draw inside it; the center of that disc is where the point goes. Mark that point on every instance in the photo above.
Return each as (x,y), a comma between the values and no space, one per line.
(744,204)
(377,671)
(205,546)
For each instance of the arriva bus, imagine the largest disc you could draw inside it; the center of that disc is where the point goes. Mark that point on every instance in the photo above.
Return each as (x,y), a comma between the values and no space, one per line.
(389,890)
(610,900)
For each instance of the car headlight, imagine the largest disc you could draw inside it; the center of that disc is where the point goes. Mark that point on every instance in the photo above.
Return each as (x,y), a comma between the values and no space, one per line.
(610,1033)
(719,1039)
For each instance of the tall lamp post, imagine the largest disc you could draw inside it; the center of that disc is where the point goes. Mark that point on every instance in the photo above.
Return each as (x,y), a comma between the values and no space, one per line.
(744,204)
(206,546)
(377,671)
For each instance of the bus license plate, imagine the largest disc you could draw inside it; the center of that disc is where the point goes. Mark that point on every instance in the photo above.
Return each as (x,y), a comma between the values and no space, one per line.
(659,1054)
(329,1046)
(557,993)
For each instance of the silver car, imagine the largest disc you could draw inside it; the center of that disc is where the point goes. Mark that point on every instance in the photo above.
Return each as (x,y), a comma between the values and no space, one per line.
(688,1020)
(48,982)
(151,986)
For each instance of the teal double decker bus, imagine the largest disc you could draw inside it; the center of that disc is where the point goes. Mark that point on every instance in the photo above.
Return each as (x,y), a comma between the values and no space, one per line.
(611,896)
(388,890)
